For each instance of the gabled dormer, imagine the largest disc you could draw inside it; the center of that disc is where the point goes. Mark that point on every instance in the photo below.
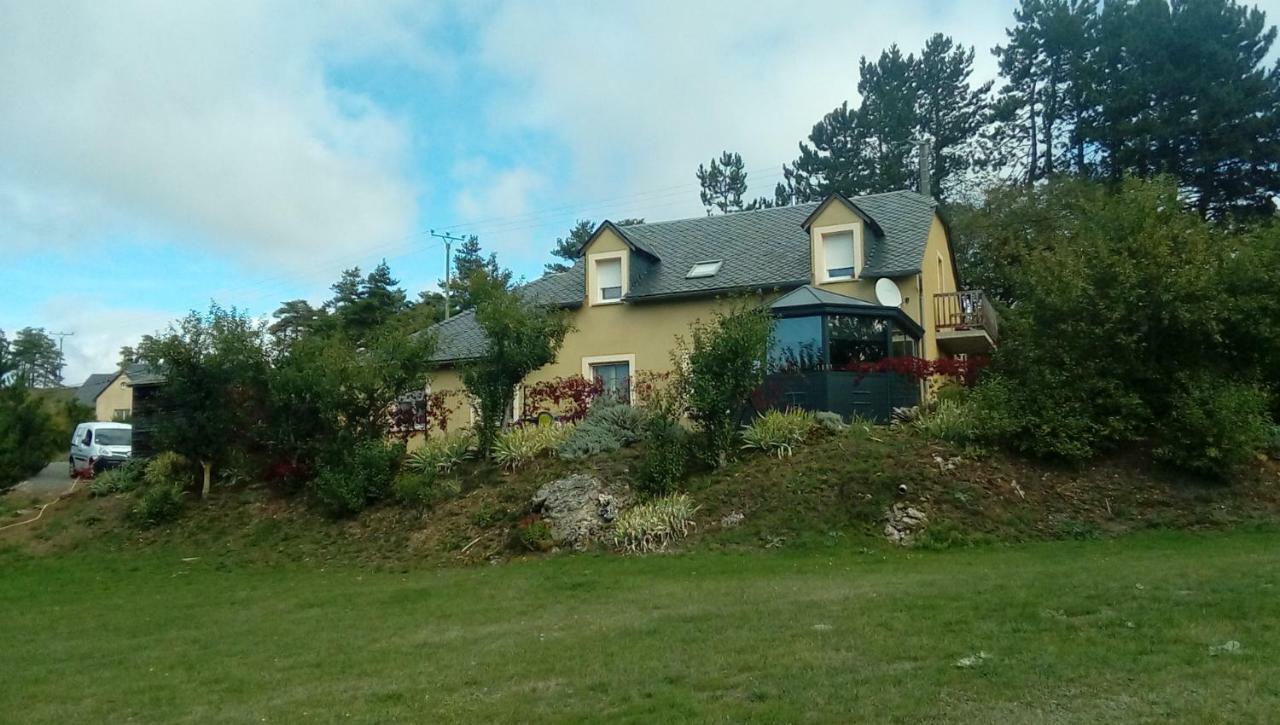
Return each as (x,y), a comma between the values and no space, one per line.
(612,263)
(840,239)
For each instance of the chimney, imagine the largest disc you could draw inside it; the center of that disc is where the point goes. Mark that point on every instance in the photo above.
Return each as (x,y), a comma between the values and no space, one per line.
(925,148)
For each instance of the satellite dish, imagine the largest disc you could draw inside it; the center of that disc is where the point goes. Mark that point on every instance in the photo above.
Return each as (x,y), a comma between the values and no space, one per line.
(887,292)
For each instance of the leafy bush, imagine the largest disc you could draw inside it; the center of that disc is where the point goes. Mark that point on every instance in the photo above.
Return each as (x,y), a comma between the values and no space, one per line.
(122,479)
(653,526)
(1214,427)
(422,489)
(778,432)
(947,420)
(441,455)
(666,457)
(364,476)
(535,535)
(829,421)
(27,434)
(158,505)
(519,446)
(717,372)
(1273,442)
(167,469)
(607,427)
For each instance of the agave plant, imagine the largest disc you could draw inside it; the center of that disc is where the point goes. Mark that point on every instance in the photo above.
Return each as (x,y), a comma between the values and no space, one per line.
(653,526)
(778,432)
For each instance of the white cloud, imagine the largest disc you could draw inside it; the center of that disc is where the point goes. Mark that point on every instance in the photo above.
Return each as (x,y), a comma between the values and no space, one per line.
(641,93)
(214,121)
(100,330)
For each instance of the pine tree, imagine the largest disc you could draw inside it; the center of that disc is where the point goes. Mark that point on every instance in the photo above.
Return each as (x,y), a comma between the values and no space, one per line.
(469,261)
(567,247)
(950,111)
(36,358)
(1185,92)
(294,320)
(834,160)
(723,183)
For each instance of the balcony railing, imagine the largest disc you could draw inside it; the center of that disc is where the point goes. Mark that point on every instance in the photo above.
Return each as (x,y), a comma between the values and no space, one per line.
(966,310)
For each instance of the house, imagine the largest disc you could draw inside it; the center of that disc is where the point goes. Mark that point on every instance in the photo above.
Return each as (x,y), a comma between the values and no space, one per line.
(111,394)
(849,280)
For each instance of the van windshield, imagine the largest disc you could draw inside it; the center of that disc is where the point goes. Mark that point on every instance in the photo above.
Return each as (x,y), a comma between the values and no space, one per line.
(114,436)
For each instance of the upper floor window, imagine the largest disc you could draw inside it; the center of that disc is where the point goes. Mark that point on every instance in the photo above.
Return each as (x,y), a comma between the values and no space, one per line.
(608,279)
(838,255)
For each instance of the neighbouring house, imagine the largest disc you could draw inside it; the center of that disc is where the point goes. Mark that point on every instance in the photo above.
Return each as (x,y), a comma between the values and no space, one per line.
(111,394)
(849,281)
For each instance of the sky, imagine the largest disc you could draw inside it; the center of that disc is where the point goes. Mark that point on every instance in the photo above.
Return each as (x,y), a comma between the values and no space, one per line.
(156,156)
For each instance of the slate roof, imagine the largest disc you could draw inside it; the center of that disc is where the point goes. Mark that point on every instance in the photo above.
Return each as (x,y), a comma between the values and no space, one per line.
(143,374)
(92,387)
(458,338)
(762,249)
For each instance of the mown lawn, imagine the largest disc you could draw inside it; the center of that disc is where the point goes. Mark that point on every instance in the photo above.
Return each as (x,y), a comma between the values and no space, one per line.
(1117,630)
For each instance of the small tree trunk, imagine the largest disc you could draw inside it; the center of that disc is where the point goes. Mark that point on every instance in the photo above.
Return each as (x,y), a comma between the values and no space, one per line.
(208,468)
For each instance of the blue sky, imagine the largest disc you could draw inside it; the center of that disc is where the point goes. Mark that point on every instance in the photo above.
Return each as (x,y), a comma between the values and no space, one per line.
(155,155)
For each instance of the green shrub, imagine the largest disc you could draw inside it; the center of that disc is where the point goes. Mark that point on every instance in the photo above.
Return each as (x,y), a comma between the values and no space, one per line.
(1215,426)
(414,488)
(829,421)
(666,457)
(536,536)
(1054,419)
(654,525)
(778,432)
(441,455)
(521,445)
(168,469)
(607,427)
(947,420)
(1273,442)
(717,372)
(122,479)
(27,435)
(158,505)
(364,476)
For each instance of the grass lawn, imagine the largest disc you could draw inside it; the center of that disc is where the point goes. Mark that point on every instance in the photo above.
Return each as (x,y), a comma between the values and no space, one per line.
(1116,630)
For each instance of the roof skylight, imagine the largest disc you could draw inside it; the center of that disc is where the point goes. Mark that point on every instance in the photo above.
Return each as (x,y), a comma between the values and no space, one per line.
(704,269)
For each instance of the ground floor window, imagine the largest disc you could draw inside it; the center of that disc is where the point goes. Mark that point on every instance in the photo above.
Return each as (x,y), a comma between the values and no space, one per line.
(615,379)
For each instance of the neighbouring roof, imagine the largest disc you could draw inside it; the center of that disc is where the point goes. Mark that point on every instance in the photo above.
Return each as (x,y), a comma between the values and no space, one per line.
(143,374)
(761,249)
(92,387)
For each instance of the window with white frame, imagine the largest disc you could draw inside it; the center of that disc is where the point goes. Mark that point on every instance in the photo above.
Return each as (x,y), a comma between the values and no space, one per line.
(615,380)
(609,279)
(838,257)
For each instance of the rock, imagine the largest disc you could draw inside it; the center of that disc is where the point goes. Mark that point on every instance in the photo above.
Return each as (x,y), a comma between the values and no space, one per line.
(902,523)
(1231,647)
(579,507)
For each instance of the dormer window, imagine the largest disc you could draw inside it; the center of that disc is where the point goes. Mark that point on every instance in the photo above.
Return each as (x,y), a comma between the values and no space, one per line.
(838,255)
(704,269)
(608,273)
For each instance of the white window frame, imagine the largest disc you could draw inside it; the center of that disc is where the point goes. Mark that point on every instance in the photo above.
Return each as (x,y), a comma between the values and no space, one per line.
(593,261)
(628,358)
(820,251)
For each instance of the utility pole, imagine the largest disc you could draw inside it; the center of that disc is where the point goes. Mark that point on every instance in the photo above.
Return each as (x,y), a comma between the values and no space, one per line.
(62,361)
(449,239)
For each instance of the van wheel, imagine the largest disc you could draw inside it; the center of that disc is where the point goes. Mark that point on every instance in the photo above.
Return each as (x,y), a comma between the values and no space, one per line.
(71,466)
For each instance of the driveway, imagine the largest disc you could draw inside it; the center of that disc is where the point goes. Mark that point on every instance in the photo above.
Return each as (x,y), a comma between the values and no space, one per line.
(50,483)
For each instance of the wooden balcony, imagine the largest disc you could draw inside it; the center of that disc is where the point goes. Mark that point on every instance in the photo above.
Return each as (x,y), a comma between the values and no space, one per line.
(966,322)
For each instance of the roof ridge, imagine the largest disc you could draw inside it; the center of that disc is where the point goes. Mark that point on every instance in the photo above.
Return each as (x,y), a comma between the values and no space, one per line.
(743,212)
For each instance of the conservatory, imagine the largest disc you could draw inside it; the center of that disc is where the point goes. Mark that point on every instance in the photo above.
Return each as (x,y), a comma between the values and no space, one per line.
(825,346)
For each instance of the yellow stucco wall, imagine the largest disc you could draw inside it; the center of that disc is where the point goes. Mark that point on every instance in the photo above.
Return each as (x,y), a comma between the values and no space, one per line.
(116,396)
(647,332)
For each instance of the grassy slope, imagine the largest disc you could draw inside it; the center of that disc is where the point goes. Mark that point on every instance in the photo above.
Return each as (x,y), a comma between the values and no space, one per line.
(833,490)
(1115,630)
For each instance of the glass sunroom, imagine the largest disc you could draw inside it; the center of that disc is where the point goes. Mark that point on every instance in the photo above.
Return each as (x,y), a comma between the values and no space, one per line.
(823,342)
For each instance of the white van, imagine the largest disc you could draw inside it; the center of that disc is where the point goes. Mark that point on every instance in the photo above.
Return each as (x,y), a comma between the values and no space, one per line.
(98,446)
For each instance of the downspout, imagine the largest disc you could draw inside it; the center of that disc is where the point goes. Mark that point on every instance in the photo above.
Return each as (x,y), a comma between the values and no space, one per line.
(925,341)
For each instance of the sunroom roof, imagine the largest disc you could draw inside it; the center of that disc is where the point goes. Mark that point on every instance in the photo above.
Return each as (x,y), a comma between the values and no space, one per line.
(808,296)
